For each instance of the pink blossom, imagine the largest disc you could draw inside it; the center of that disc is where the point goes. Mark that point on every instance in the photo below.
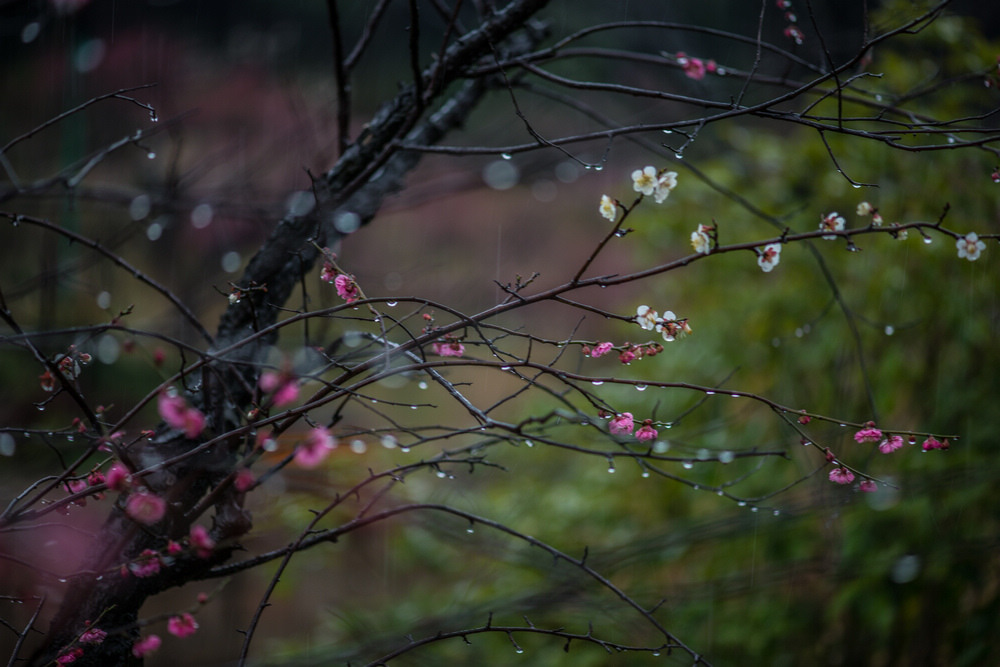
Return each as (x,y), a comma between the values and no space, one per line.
(694,68)
(868,486)
(347,289)
(118,478)
(145,507)
(283,386)
(646,432)
(793,33)
(145,646)
(173,548)
(328,274)
(317,445)
(70,656)
(93,636)
(932,443)
(601,349)
(178,414)
(448,348)
(182,626)
(868,434)
(841,475)
(626,356)
(147,564)
(76,485)
(622,424)
(244,480)
(201,541)
(891,444)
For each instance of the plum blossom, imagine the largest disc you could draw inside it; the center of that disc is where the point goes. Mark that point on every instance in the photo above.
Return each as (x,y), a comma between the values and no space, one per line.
(841,475)
(93,636)
(601,349)
(694,68)
(145,508)
(665,183)
(891,444)
(868,486)
(182,626)
(201,541)
(609,208)
(865,209)
(671,328)
(347,289)
(831,222)
(145,646)
(244,480)
(282,385)
(178,414)
(329,273)
(146,565)
(627,356)
(701,241)
(448,348)
(622,424)
(646,432)
(868,434)
(644,180)
(969,247)
(118,478)
(769,256)
(70,656)
(647,318)
(933,443)
(317,445)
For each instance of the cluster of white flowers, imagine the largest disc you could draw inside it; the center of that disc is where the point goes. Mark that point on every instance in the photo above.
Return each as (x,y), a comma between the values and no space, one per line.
(649,181)
(701,240)
(769,256)
(831,222)
(666,325)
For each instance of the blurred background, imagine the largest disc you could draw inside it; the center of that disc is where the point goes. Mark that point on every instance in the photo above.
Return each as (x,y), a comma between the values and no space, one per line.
(817,574)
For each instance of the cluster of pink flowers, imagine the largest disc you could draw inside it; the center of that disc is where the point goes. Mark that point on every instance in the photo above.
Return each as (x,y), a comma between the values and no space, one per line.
(145,507)
(178,414)
(868,434)
(792,30)
(347,289)
(891,444)
(318,443)
(695,68)
(449,347)
(933,443)
(627,355)
(182,626)
(118,477)
(201,541)
(841,475)
(146,565)
(283,386)
(145,646)
(624,424)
